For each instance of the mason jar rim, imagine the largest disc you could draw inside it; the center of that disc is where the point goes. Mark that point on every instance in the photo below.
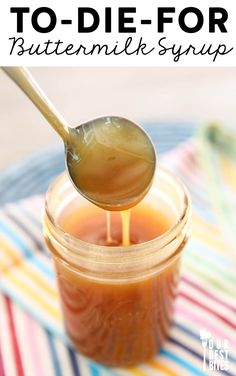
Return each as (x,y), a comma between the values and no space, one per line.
(101,253)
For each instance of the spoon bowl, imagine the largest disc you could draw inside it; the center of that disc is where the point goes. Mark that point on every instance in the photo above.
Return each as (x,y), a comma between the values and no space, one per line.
(111,161)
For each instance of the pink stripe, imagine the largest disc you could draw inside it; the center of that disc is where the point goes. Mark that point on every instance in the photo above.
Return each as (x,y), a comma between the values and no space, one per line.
(206,292)
(13,337)
(204,323)
(187,165)
(191,170)
(191,173)
(30,334)
(1,365)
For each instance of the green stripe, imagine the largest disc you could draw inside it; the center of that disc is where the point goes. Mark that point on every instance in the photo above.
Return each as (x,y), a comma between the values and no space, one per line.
(192,256)
(190,268)
(213,141)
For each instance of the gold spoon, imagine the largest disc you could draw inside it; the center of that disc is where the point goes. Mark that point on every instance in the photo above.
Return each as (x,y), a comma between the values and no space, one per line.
(110,160)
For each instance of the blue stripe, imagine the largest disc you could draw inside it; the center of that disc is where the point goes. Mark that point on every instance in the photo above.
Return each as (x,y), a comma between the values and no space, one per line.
(54,356)
(93,369)
(13,237)
(36,179)
(184,347)
(38,228)
(181,362)
(73,361)
(29,169)
(196,337)
(39,160)
(39,177)
(26,251)
(205,214)
(29,180)
(192,352)
(108,371)
(187,331)
(36,239)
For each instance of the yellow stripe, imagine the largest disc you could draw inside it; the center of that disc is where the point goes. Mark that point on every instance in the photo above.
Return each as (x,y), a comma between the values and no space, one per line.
(5,248)
(32,295)
(154,364)
(229,172)
(3,266)
(11,254)
(38,280)
(208,234)
(162,368)
(136,372)
(7,264)
(26,269)
(215,243)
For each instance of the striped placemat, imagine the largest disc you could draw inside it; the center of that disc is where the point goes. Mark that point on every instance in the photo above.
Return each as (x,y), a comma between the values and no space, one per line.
(32,340)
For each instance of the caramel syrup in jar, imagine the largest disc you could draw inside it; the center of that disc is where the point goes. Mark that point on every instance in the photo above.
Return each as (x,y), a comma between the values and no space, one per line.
(116,323)
(117,292)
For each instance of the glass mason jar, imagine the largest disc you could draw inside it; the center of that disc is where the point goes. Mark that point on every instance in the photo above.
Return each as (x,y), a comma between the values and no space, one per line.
(117,302)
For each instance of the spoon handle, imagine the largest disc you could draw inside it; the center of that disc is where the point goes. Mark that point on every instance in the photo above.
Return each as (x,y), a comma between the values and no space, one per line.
(29,86)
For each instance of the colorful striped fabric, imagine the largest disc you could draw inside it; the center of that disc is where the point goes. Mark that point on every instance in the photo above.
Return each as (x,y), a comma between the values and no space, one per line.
(217,148)
(32,339)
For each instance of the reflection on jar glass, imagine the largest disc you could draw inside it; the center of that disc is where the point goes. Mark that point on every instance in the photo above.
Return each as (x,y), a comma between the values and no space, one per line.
(117,302)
